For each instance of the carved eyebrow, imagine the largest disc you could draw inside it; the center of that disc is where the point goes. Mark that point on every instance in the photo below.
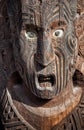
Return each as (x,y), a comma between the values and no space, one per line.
(55,11)
(60,23)
(59,11)
(28,18)
(66,9)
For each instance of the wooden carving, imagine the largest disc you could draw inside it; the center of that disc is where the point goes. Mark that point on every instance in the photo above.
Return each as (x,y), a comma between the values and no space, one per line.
(41,43)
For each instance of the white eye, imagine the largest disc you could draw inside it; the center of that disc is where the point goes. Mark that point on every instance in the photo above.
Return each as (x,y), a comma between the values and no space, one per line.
(58,33)
(30,35)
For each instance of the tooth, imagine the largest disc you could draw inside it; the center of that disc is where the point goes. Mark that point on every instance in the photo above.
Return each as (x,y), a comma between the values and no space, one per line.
(45,84)
(42,84)
(47,78)
(48,84)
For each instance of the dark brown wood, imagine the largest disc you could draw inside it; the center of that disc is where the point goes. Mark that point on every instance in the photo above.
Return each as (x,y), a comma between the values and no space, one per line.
(41,54)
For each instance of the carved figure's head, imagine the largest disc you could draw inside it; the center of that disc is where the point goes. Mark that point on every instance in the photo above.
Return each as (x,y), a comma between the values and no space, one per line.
(45,45)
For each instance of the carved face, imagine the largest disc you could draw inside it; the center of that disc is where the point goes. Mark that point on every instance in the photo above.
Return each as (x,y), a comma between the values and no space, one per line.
(47,47)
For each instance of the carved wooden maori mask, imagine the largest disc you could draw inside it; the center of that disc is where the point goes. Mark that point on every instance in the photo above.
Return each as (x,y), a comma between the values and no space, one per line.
(45,48)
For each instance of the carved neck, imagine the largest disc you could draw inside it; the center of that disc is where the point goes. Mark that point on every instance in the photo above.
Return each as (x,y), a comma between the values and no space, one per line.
(41,114)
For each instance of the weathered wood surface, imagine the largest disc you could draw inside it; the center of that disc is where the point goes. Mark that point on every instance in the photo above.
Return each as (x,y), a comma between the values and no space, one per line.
(54,58)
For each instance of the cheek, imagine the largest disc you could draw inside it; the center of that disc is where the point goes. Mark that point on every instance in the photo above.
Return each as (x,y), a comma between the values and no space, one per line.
(71,44)
(27,48)
(54,43)
(22,46)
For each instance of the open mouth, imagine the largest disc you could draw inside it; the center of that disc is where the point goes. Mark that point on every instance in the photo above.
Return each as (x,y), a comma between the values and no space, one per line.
(46,81)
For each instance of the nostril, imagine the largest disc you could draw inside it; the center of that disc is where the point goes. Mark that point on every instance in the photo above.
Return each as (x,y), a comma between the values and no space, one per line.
(44,60)
(38,65)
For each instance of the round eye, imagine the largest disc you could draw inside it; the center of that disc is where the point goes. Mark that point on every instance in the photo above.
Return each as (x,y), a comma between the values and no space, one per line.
(30,35)
(58,33)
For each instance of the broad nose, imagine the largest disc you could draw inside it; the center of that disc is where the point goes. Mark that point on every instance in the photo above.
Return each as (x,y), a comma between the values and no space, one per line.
(45,54)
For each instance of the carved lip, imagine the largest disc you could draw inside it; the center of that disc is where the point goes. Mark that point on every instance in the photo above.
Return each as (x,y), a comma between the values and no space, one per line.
(45,82)
(46,79)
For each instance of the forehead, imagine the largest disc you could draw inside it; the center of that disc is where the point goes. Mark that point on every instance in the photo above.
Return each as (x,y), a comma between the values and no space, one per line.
(44,12)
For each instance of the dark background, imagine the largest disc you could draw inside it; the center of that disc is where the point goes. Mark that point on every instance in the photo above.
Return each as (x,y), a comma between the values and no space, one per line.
(1,126)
